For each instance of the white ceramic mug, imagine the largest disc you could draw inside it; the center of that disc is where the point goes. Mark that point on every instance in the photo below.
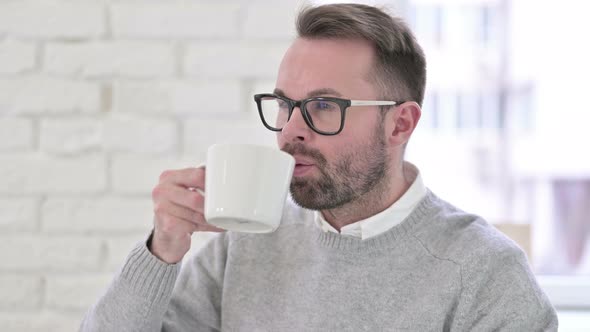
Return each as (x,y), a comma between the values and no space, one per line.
(246,187)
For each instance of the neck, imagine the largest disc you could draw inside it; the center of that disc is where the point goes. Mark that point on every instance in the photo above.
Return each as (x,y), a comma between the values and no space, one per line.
(378,199)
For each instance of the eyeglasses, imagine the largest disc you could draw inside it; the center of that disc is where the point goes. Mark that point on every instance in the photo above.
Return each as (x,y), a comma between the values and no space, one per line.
(324,115)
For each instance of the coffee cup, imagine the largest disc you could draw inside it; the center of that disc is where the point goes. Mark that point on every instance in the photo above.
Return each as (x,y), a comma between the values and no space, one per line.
(246,187)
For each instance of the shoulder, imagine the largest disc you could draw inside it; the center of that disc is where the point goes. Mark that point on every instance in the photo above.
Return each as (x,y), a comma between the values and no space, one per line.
(467,239)
(498,286)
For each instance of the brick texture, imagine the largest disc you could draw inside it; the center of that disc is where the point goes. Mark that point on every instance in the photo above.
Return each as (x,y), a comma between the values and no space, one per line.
(130,59)
(112,214)
(20,292)
(75,292)
(39,173)
(16,56)
(43,94)
(97,99)
(134,175)
(16,134)
(70,135)
(49,253)
(174,19)
(184,97)
(136,134)
(256,60)
(18,214)
(52,19)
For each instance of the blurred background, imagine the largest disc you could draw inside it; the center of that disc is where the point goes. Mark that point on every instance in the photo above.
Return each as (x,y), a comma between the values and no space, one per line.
(97,98)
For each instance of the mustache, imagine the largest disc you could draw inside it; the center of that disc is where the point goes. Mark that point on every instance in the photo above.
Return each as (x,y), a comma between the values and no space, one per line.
(302,150)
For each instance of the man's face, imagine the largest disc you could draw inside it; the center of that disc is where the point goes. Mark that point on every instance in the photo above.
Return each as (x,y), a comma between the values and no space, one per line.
(332,171)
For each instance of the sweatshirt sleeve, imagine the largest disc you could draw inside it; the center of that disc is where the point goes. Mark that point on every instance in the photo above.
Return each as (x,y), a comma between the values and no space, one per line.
(197,295)
(500,293)
(137,298)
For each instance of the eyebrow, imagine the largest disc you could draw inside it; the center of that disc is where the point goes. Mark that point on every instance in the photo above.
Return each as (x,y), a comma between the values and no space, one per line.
(314,93)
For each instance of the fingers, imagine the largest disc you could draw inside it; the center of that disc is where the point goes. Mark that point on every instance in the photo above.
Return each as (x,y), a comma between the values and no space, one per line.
(178,195)
(188,177)
(172,227)
(178,211)
(173,202)
(209,228)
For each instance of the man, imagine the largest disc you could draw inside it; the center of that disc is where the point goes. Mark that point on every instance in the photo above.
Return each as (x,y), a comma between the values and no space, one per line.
(363,245)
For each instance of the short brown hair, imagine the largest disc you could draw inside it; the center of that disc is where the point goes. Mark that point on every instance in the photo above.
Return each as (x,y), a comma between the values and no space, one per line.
(400,69)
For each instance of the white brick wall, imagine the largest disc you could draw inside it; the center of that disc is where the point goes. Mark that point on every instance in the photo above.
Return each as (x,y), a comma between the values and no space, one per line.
(128,59)
(70,135)
(200,134)
(270,20)
(257,59)
(43,94)
(52,19)
(75,291)
(50,253)
(182,97)
(97,98)
(16,134)
(16,56)
(18,214)
(137,134)
(39,174)
(175,19)
(138,175)
(41,321)
(20,291)
(111,214)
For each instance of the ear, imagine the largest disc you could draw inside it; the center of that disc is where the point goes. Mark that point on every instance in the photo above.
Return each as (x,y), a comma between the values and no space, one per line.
(402,123)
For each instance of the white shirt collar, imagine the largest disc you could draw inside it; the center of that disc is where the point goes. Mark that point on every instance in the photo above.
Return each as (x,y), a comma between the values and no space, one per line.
(387,218)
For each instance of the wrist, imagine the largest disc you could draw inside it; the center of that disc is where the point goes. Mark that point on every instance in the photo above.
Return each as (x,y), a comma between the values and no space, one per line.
(156,249)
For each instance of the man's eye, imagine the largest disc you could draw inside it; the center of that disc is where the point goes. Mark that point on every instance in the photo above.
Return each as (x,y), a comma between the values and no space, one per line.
(322,106)
(283,104)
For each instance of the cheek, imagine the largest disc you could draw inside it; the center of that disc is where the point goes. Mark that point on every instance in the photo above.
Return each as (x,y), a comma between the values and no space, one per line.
(357,136)
(335,150)
(361,124)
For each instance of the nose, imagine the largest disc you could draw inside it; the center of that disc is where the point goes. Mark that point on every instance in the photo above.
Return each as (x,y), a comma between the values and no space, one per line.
(296,129)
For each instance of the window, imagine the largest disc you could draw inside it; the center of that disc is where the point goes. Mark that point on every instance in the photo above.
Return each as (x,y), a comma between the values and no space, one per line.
(503,131)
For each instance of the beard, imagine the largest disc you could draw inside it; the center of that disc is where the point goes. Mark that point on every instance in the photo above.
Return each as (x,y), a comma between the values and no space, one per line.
(355,173)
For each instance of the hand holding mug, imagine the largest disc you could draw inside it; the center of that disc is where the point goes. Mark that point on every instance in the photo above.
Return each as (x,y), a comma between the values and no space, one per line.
(244,191)
(178,212)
